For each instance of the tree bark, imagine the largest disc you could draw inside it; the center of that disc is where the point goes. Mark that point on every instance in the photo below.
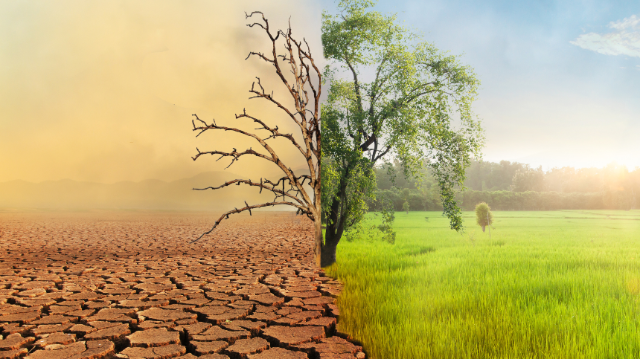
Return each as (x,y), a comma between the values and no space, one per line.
(335,228)
(329,249)
(318,242)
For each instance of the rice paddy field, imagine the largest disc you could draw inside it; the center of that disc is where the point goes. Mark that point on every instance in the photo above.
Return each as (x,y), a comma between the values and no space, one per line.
(558,284)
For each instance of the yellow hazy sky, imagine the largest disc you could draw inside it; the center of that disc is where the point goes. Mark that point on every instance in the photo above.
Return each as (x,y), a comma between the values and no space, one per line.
(103,91)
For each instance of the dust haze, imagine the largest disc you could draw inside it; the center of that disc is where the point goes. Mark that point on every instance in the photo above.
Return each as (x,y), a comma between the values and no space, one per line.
(103,91)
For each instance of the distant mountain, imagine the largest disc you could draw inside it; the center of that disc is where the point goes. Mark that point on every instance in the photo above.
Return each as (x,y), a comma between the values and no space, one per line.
(145,195)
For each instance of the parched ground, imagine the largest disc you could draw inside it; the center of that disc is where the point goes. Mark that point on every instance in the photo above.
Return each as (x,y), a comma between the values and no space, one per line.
(128,285)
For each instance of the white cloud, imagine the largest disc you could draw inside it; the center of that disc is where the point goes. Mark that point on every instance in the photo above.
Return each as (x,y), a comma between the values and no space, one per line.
(624,41)
(632,22)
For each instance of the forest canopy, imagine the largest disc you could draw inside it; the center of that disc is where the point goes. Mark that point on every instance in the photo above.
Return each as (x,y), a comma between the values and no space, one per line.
(516,186)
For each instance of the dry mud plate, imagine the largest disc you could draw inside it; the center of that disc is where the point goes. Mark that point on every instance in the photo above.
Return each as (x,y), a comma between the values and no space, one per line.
(128,285)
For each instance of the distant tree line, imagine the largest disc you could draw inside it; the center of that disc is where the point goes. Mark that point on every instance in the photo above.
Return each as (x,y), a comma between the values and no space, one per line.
(516,186)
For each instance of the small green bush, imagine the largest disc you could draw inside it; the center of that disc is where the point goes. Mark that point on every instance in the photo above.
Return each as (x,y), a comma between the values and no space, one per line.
(405,206)
(483,215)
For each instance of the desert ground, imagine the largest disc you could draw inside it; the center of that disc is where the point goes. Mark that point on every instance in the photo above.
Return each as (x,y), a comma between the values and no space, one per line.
(129,285)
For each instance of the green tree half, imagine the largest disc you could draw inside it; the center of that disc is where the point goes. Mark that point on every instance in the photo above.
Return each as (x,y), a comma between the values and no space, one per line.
(392,96)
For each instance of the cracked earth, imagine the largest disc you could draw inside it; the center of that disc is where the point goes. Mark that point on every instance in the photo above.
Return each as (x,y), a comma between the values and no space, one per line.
(128,285)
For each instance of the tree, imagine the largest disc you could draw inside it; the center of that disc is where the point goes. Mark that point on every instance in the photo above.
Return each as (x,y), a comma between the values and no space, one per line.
(305,93)
(484,217)
(404,113)
(491,176)
(528,179)
(405,206)
(405,197)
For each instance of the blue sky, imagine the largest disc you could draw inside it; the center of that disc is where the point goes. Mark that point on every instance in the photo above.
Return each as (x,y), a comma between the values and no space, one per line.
(560,79)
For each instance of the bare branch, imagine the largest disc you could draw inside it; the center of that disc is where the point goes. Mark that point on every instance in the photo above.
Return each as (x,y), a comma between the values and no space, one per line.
(261,185)
(303,210)
(289,189)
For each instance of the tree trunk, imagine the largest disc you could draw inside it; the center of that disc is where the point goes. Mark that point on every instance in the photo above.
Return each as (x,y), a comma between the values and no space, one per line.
(335,225)
(329,249)
(483,228)
(318,243)
(332,235)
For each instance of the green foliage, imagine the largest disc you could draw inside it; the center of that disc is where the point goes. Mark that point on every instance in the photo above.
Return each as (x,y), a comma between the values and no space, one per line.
(404,113)
(405,206)
(405,197)
(417,200)
(528,180)
(330,178)
(492,176)
(388,216)
(371,232)
(405,194)
(359,232)
(611,177)
(484,217)
(558,285)
(611,187)
(545,201)
(361,184)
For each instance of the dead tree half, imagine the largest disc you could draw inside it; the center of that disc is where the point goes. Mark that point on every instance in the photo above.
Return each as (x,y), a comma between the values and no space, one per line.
(290,189)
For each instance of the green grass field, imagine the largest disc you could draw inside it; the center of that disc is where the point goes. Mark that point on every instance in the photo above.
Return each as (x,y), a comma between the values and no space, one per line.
(561,284)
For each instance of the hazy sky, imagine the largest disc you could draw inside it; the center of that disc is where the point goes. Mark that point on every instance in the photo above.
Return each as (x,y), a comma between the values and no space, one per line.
(104,90)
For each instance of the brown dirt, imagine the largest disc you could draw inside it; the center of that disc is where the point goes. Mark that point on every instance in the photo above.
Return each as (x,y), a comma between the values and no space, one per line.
(129,285)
